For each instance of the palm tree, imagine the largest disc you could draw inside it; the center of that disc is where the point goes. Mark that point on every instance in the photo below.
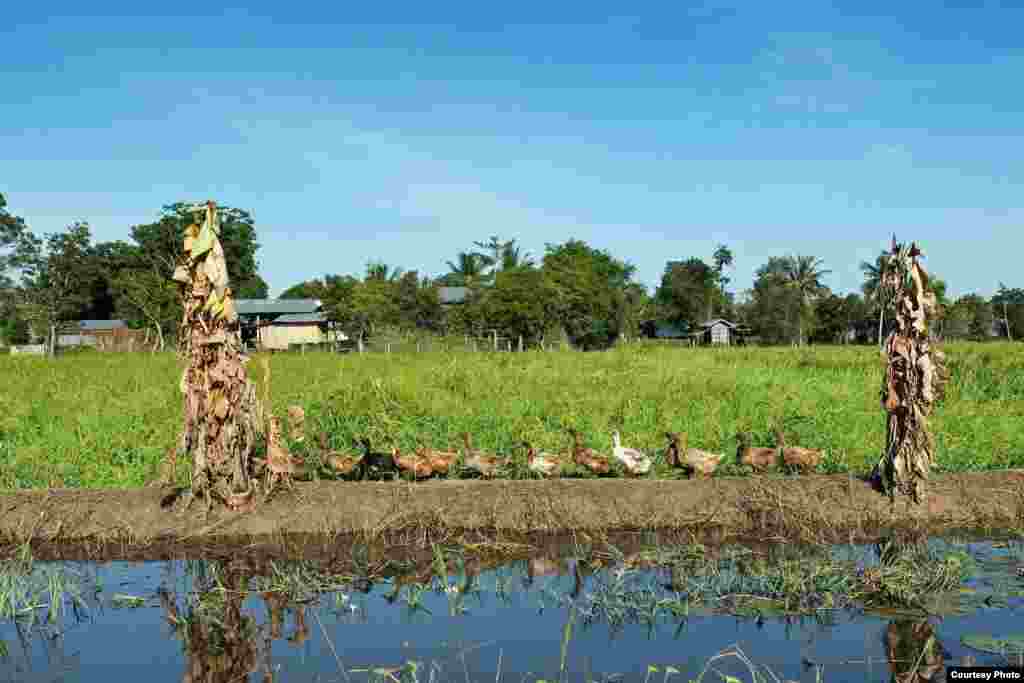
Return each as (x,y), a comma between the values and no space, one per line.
(513,257)
(468,267)
(381,272)
(872,287)
(803,276)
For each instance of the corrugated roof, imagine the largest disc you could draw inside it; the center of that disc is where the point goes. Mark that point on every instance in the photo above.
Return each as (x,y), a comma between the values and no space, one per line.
(452,295)
(276,306)
(300,318)
(101,324)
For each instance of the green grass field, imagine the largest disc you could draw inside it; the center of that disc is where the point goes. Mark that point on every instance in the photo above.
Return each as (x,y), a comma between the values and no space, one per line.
(105,420)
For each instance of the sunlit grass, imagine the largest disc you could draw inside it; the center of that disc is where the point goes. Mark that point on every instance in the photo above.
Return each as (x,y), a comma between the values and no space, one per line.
(105,420)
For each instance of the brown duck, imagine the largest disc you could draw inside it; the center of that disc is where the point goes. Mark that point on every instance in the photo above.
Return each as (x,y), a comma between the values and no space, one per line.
(588,457)
(802,459)
(757,457)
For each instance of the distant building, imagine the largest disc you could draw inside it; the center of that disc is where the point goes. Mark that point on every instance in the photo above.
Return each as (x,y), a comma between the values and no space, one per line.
(721,331)
(89,332)
(278,323)
(451,296)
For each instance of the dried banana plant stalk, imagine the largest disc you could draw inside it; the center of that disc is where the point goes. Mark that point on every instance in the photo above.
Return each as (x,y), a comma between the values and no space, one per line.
(915,375)
(223,416)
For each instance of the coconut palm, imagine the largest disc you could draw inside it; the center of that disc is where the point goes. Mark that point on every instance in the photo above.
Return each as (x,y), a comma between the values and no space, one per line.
(872,287)
(382,272)
(468,268)
(513,257)
(803,275)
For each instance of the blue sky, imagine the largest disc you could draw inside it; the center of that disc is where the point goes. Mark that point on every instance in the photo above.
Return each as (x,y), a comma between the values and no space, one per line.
(403,132)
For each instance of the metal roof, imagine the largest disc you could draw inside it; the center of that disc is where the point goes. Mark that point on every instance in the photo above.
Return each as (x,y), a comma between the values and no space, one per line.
(249,307)
(452,295)
(712,323)
(300,318)
(101,324)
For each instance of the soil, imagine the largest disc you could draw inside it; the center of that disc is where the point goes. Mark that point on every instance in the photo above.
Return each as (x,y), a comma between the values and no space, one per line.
(149,524)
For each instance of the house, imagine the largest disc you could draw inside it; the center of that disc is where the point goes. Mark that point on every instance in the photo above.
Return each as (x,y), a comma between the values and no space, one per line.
(279,323)
(90,332)
(721,331)
(450,296)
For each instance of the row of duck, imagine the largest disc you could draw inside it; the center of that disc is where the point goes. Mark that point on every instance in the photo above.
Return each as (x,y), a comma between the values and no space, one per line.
(425,461)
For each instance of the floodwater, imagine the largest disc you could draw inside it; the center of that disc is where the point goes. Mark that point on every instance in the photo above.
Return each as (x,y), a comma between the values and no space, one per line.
(545,618)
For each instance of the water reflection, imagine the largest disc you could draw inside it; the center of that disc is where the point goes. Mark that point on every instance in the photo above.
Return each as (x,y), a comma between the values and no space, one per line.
(245,620)
(914,652)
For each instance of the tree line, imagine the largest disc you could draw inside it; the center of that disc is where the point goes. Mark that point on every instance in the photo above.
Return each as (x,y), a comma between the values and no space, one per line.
(574,290)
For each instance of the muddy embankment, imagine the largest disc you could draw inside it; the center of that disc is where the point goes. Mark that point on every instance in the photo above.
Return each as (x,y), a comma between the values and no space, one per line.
(148,523)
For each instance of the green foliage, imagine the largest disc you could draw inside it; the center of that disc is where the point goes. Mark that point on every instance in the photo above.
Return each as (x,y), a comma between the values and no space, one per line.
(589,291)
(160,245)
(521,303)
(688,291)
(107,419)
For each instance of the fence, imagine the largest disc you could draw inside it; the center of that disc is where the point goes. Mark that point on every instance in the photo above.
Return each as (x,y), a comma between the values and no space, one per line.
(425,344)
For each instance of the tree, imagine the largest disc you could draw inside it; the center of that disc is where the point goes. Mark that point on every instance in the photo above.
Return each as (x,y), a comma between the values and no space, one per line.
(687,291)
(521,303)
(975,314)
(1008,304)
(143,293)
(589,291)
(722,258)
(803,276)
(418,304)
(160,245)
(15,238)
(771,303)
(58,277)
(468,269)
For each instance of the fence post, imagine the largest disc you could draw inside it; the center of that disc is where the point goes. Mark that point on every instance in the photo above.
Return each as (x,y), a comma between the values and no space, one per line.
(494,335)
(417,347)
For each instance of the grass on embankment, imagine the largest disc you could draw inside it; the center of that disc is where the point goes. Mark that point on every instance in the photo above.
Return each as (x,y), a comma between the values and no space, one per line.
(105,420)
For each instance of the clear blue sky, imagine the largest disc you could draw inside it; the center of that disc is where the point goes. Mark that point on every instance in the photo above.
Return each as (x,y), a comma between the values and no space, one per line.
(357,131)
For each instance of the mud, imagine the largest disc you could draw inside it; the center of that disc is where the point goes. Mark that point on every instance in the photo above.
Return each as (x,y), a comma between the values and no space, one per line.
(317,517)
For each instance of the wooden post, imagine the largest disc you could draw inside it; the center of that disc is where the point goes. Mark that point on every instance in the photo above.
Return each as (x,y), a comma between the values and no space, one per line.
(494,334)
(417,347)
(520,343)
(1006,321)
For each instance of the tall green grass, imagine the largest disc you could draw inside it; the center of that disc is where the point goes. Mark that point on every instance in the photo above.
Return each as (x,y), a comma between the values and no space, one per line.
(105,420)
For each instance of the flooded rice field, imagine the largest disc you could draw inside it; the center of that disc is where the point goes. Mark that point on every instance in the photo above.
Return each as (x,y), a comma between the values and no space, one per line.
(585,611)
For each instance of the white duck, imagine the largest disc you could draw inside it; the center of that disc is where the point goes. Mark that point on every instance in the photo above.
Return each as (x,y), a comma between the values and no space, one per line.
(635,462)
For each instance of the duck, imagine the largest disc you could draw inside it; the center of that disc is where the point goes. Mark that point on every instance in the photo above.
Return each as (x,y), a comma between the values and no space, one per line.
(758,457)
(544,464)
(699,463)
(340,463)
(797,457)
(279,465)
(440,461)
(375,464)
(296,422)
(484,464)
(416,465)
(635,462)
(588,457)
